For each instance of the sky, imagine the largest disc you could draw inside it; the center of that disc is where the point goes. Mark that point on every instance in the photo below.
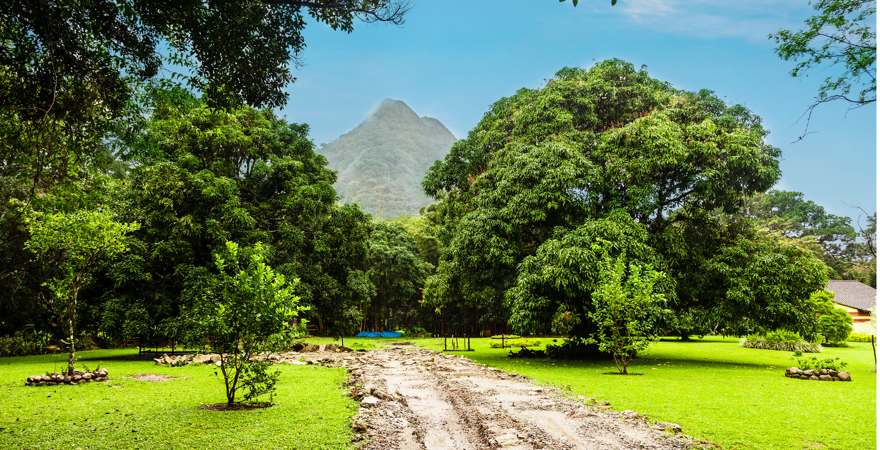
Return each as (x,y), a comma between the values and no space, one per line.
(452,59)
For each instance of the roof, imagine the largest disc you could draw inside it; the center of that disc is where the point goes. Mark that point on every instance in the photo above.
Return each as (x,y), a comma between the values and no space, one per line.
(854,294)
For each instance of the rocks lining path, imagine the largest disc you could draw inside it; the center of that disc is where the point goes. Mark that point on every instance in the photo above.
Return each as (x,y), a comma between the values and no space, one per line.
(413,398)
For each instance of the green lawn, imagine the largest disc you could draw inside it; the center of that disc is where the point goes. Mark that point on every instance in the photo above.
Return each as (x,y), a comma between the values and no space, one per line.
(311,409)
(719,391)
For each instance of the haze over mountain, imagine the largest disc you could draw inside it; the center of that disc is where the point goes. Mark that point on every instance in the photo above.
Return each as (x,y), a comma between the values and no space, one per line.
(381,162)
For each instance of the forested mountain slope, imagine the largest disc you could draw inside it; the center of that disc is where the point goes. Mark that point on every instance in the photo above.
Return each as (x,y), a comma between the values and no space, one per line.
(381,162)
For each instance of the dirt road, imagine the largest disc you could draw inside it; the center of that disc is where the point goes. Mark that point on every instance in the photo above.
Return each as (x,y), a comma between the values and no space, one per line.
(413,398)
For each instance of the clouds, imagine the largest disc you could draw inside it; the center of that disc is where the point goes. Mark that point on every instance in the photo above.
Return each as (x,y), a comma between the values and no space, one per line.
(751,20)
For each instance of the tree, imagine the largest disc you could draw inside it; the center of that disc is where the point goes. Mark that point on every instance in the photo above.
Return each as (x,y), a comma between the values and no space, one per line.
(398,272)
(75,241)
(835,324)
(589,142)
(627,307)
(792,215)
(203,176)
(841,36)
(555,287)
(766,282)
(244,309)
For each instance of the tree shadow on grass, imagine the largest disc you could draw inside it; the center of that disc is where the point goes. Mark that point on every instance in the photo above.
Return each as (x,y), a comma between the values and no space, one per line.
(244,406)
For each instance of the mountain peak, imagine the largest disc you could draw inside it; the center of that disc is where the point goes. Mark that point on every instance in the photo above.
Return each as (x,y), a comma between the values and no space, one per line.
(394,110)
(381,162)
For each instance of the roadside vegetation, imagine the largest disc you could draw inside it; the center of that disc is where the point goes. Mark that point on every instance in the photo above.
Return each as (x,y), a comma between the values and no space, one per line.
(311,408)
(712,387)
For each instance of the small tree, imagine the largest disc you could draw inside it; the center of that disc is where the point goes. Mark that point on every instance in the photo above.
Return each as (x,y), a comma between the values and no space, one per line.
(627,308)
(243,311)
(76,242)
(834,324)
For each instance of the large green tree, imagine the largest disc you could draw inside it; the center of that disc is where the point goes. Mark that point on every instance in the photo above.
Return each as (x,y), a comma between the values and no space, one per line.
(203,176)
(544,161)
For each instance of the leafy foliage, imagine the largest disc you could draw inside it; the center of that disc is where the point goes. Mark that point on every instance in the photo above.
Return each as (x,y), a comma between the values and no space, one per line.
(835,324)
(543,163)
(841,36)
(627,306)
(782,340)
(241,311)
(398,272)
(814,363)
(77,242)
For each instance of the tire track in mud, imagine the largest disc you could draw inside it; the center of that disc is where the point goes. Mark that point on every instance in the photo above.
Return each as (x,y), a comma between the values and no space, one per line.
(413,398)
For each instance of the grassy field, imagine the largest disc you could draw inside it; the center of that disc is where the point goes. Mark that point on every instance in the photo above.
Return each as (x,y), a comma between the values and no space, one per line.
(717,390)
(311,409)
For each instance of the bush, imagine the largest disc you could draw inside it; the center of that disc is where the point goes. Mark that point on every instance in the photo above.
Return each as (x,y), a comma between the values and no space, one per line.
(523,343)
(415,332)
(859,337)
(834,325)
(24,343)
(506,337)
(782,340)
(575,349)
(814,363)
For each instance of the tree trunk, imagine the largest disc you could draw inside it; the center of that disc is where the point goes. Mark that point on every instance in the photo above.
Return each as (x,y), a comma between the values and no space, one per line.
(71,324)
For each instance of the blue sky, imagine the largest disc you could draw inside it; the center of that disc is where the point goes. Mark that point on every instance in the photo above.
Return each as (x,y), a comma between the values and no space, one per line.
(452,59)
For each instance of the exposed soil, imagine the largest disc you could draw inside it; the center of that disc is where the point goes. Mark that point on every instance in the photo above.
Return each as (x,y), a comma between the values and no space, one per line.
(413,398)
(151,377)
(236,406)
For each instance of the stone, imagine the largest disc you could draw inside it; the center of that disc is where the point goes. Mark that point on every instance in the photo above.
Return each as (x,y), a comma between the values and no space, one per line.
(825,377)
(87,376)
(359,425)
(814,377)
(844,376)
(668,426)
(791,371)
(370,401)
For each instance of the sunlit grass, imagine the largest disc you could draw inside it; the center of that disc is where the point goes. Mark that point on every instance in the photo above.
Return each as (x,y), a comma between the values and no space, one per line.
(311,409)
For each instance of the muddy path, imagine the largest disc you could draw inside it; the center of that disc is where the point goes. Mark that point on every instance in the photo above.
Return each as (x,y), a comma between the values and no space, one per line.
(413,398)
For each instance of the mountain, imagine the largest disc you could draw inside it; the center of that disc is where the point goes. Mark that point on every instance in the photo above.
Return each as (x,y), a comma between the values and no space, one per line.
(381,162)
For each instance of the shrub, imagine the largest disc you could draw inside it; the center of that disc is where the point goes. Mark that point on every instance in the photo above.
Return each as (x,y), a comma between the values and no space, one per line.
(24,343)
(506,337)
(246,310)
(415,332)
(575,349)
(860,337)
(523,343)
(627,305)
(782,340)
(814,363)
(833,324)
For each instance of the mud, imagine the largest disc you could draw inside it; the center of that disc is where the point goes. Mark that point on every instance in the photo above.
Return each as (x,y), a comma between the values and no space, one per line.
(414,398)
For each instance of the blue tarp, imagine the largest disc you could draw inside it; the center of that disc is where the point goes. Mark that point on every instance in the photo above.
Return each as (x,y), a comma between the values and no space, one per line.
(379,334)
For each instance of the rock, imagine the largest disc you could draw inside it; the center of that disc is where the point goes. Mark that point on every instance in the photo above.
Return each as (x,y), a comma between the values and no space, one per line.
(87,376)
(844,376)
(370,401)
(814,377)
(791,371)
(808,372)
(359,425)
(668,426)
(825,377)
(381,393)
(76,378)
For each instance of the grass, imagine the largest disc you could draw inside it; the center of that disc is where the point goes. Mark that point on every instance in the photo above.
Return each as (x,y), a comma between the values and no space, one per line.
(311,409)
(716,390)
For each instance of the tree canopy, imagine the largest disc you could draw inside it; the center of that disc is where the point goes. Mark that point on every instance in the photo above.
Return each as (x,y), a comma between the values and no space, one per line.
(543,162)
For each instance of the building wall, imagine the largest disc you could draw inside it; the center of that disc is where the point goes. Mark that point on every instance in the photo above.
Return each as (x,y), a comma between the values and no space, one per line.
(861,320)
